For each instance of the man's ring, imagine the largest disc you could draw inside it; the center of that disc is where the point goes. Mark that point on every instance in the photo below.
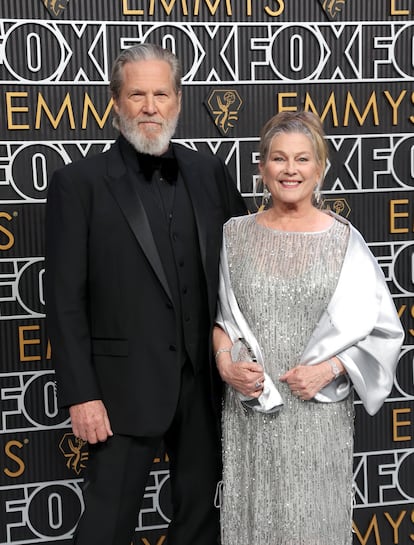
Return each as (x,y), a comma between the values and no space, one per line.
(258,385)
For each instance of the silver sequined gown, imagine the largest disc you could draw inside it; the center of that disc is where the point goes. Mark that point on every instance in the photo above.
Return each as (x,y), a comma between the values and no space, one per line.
(287,477)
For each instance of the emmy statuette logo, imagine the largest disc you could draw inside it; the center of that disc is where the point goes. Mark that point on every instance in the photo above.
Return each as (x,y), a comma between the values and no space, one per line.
(332,7)
(223,106)
(55,7)
(339,205)
(75,450)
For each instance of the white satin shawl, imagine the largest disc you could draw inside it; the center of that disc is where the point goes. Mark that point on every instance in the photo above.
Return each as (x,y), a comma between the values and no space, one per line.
(360,326)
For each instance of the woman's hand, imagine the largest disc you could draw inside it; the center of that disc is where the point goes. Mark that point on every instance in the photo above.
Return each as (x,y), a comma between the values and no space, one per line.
(245,377)
(305,381)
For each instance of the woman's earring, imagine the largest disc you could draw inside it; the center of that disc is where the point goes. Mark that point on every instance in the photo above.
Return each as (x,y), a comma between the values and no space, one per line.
(317,195)
(266,196)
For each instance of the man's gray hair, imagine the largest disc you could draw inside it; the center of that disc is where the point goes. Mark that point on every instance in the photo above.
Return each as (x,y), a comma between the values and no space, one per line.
(143,52)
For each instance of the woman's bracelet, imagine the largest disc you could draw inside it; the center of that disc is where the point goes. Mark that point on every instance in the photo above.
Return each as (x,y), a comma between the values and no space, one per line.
(335,369)
(221,351)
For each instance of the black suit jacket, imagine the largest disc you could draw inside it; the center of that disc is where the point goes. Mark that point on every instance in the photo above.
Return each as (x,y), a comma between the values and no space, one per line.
(110,314)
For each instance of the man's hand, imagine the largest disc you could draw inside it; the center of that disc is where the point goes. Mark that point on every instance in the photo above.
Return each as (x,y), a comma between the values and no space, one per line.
(90,421)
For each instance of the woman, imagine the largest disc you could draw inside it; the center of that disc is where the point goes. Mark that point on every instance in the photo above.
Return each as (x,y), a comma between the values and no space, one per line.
(302,289)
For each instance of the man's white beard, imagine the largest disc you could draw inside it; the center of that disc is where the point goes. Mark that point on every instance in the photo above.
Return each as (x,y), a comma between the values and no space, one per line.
(143,144)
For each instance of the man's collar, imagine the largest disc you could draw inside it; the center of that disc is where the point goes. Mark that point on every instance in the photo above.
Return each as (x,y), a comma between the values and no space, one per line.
(166,163)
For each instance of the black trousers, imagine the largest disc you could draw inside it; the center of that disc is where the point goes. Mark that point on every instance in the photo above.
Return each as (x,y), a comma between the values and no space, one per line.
(118,473)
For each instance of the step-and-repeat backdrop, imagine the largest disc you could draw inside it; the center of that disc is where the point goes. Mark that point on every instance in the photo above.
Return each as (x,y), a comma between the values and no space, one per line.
(350,61)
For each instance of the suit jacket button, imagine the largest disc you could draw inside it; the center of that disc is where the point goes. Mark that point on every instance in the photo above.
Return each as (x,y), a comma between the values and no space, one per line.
(173,348)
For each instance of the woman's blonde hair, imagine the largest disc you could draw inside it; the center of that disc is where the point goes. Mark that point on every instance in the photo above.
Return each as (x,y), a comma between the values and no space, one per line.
(301,122)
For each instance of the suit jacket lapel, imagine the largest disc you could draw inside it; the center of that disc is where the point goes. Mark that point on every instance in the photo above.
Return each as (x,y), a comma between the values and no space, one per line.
(126,195)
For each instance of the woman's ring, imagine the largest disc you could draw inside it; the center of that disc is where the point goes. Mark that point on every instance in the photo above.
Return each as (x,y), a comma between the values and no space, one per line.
(258,385)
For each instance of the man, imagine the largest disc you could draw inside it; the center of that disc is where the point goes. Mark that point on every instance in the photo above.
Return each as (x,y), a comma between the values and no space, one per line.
(132,246)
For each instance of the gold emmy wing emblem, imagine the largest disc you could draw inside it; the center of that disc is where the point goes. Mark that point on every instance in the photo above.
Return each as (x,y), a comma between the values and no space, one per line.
(224,106)
(340,206)
(56,7)
(332,7)
(75,451)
